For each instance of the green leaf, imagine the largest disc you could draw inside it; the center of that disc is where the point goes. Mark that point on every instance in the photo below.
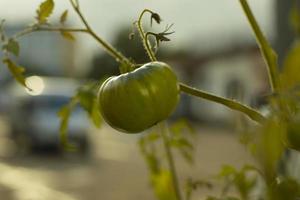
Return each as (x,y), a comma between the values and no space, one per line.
(95,114)
(16,71)
(286,189)
(230,198)
(87,97)
(12,46)
(63,17)
(89,104)
(212,198)
(2,33)
(291,69)
(64,115)
(153,137)
(181,143)
(223,198)
(294,18)
(182,126)
(153,162)
(185,148)
(148,151)
(163,186)
(270,146)
(187,155)
(44,11)
(68,35)
(192,185)
(226,171)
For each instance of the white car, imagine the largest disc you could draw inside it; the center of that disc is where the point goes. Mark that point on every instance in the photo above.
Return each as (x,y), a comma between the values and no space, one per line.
(33,114)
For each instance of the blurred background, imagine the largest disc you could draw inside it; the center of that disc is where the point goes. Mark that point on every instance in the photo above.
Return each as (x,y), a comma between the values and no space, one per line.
(212,48)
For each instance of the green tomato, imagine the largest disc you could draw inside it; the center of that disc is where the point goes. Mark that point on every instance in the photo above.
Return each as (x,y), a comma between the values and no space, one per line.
(137,100)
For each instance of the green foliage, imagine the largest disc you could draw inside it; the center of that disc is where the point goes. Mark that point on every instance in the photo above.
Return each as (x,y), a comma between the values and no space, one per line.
(63,17)
(295,18)
(67,35)
(148,149)
(64,115)
(150,145)
(222,198)
(192,185)
(12,46)
(2,34)
(163,185)
(286,188)
(243,180)
(293,135)
(16,71)
(181,139)
(291,70)
(270,147)
(86,97)
(44,11)
(160,178)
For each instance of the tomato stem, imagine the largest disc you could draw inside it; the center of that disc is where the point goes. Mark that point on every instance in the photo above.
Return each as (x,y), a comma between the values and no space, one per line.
(234,105)
(148,46)
(143,36)
(268,53)
(170,160)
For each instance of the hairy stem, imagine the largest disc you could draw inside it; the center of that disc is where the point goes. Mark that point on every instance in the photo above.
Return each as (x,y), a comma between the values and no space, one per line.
(268,53)
(170,160)
(234,105)
(148,46)
(142,33)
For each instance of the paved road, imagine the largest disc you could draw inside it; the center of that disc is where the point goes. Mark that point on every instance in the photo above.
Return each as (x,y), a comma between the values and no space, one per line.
(113,171)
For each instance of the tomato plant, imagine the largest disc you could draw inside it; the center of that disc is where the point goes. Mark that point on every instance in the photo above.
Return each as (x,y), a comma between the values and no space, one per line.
(137,100)
(145,95)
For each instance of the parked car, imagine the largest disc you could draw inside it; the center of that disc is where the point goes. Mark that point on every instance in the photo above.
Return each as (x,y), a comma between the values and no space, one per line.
(33,114)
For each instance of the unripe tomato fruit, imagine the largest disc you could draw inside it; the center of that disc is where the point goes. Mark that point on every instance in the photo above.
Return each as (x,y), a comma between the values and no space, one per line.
(137,100)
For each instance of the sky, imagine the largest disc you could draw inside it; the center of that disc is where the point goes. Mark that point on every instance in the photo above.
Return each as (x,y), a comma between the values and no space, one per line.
(190,17)
(197,23)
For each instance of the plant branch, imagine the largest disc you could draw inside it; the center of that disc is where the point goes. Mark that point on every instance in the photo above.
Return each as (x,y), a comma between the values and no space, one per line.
(268,53)
(142,33)
(54,29)
(170,160)
(234,105)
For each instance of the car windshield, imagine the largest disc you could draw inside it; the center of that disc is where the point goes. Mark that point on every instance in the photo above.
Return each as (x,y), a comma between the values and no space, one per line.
(39,103)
